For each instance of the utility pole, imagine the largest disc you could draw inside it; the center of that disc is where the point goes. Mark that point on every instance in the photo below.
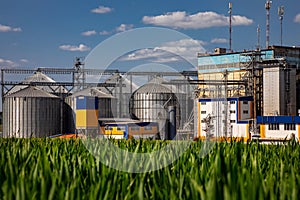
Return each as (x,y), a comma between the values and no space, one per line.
(230,27)
(280,14)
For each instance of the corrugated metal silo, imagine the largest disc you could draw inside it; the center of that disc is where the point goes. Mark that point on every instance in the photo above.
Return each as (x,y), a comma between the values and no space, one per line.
(31,112)
(106,105)
(150,102)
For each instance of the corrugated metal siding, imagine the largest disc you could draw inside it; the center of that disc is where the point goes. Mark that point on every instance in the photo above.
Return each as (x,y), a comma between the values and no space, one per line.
(26,117)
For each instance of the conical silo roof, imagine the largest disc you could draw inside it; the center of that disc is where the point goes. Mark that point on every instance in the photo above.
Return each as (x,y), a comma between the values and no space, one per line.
(31,91)
(39,77)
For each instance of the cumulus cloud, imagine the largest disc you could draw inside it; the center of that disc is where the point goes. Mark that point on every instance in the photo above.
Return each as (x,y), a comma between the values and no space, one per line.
(81,47)
(101,10)
(173,51)
(124,27)
(219,40)
(104,32)
(89,33)
(4,28)
(121,28)
(183,20)
(297,18)
(7,63)
(24,60)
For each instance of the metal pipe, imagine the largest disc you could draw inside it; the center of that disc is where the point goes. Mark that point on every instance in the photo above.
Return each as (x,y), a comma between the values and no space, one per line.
(172,122)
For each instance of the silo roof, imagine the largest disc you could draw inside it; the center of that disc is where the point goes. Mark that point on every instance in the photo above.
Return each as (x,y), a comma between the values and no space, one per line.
(153,88)
(94,91)
(31,92)
(38,77)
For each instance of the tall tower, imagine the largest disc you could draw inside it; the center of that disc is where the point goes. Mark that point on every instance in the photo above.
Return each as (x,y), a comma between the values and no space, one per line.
(268,7)
(230,26)
(280,14)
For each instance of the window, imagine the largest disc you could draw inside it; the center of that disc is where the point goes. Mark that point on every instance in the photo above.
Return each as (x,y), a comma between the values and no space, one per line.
(232,121)
(232,111)
(203,112)
(135,128)
(148,128)
(290,127)
(245,102)
(203,103)
(232,102)
(273,126)
(245,112)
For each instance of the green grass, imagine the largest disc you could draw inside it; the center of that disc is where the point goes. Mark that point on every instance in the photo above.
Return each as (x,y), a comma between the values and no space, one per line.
(64,169)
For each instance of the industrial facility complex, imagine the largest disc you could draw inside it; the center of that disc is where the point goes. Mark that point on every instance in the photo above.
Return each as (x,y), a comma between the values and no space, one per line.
(235,95)
(246,95)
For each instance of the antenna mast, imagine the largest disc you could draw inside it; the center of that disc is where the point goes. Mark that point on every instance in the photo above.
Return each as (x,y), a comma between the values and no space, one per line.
(230,26)
(268,7)
(280,14)
(258,37)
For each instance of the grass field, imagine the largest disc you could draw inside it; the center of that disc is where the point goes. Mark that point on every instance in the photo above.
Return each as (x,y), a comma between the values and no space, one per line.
(64,169)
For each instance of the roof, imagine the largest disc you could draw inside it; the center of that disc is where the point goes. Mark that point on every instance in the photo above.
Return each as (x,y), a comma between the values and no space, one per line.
(39,77)
(93,91)
(153,88)
(31,91)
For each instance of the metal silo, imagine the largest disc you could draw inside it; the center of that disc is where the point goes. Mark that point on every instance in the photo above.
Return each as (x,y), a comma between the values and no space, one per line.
(31,112)
(106,105)
(150,103)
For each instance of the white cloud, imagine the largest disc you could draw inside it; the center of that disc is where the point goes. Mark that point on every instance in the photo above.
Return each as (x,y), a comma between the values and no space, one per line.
(104,33)
(101,10)
(4,28)
(24,60)
(219,40)
(297,18)
(7,63)
(81,47)
(170,52)
(183,20)
(89,33)
(124,27)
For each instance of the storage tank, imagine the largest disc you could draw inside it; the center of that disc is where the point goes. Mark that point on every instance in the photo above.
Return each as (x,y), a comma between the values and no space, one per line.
(31,112)
(150,103)
(106,105)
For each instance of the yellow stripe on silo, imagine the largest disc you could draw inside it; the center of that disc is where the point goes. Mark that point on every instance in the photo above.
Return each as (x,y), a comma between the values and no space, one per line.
(262,131)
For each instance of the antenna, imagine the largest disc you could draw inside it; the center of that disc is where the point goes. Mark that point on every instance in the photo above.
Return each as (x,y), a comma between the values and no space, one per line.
(280,14)
(258,37)
(230,26)
(268,7)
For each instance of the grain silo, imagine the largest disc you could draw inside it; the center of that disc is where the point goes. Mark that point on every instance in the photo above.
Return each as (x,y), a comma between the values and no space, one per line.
(106,105)
(150,103)
(31,112)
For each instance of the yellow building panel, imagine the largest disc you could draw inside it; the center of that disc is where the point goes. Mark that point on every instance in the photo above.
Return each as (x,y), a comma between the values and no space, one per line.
(247,137)
(262,131)
(298,132)
(87,118)
(199,120)
(80,118)
(91,118)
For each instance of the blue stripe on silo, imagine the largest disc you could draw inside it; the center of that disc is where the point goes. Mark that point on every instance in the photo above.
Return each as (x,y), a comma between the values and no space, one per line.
(278,119)
(86,103)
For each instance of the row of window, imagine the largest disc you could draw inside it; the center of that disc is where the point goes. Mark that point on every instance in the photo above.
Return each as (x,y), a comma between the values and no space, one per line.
(231,102)
(287,127)
(231,111)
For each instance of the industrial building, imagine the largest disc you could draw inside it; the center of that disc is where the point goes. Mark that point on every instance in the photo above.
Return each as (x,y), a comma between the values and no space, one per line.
(268,78)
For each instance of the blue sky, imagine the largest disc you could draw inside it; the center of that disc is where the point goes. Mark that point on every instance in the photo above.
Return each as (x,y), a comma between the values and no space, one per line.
(35,33)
